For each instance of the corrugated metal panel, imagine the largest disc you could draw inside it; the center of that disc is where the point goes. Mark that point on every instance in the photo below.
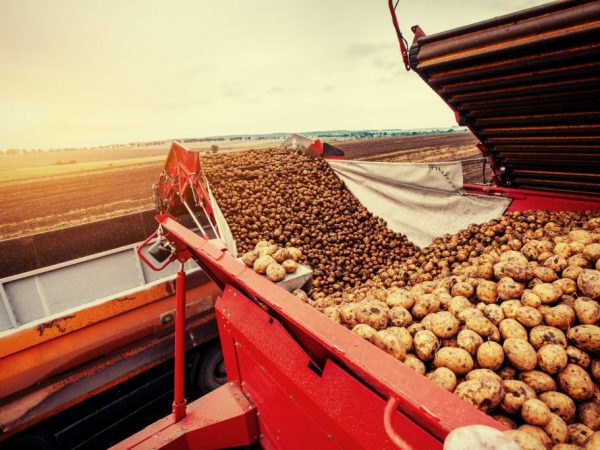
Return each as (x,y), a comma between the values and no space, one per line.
(528,86)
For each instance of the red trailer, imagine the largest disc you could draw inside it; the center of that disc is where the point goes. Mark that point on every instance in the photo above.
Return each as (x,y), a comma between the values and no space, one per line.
(526,84)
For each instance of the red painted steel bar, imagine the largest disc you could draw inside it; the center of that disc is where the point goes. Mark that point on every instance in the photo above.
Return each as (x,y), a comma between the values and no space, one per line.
(179,399)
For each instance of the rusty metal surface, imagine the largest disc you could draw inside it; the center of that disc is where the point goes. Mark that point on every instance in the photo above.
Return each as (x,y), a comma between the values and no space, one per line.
(527,85)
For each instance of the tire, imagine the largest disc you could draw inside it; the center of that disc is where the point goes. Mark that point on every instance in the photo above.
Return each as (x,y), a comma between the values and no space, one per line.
(211,373)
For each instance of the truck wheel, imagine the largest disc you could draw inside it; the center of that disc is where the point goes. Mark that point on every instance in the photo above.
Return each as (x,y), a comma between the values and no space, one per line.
(211,373)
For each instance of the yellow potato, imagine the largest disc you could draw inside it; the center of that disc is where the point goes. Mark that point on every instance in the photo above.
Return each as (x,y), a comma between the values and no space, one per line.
(262,263)
(403,335)
(543,334)
(589,283)
(443,377)
(538,381)
(483,393)
(516,392)
(529,298)
(373,314)
(525,440)
(425,304)
(509,308)
(520,354)
(415,363)
(535,412)
(290,266)
(389,342)
(585,337)
(364,331)
(506,421)
(579,357)
(487,292)
(490,355)
(560,316)
(400,297)
(587,310)
(576,383)
(593,443)
(301,295)
(510,328)
(537,432)
(444,325)
(547,292)
(275,272)
(579,433)
(556,429)
(482,373)
(458,304)
(509,289)
(463,289)
(588,413)
(552,358)
(528,316)
(426,343)
(400,317)
(494,313)
(470,341)
(457,360)
(482,326)
(559,404)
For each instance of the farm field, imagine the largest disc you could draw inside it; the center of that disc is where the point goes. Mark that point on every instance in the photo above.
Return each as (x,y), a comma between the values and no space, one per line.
(103,183)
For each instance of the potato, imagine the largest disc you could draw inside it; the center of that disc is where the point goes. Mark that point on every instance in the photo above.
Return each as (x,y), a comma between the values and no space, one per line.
(483,393)
(403,335)
(560,316)
(579,261)
(509,289)
(425,304)
(520,354)
(443,377)
(482,373)
(510,328)
(456,359)
(463,289)
(587,310)
(579,357)
(348,314)
(294,253)
(494,313)
(556,429)
(556,263)
(400,317)
(301,295)
(559,404)
(373,314)
(563,446)
(426,343)
(535,412)
(538,381)
(545,274)
(469,340)
(589,283)
(579,433)
(530,299)
(508,372)
(506,421)
(543,334)
(275,272)
(267,250)
(525,440)
(547,292)
(490,355)
(517,270)
(572,272)
(400,297)
(509,308)
(444,324)
(248,258)
(415,363)
(389,343)
(583,236)
(281,255)
(364,331)
(537,432)
(482,326)
(528,316)
(591,252)
(487,291)
(585,337)
(552,358)
(593,443)
(290,266)
(516,392)
(458,304)
(262,244)
(562,249)
(588,413)
(333,312)
(262,263)
(415,328)
(595,368)
(576,383)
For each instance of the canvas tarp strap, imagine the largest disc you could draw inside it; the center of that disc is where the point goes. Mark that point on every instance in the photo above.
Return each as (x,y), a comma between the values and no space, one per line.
(421,201)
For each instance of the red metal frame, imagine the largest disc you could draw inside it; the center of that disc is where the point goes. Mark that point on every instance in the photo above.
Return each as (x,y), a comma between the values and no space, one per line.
(524,199)
(179,397)
(308,377)
(401,41)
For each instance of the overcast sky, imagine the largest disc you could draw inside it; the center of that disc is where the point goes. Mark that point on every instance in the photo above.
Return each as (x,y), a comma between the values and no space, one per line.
(82,73)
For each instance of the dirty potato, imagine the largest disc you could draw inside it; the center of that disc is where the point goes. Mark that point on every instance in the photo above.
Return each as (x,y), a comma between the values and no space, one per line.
(469,340)
(538,381)
(490,355)
(552,358)
(443,377)
(364,331)
(389,343)
(528,316)
(520,354)
(457,360)
(585,337)
(576,383)
(483,393)
(444,325)
(544,334)
(535,412)
(587,310)
(559,404)
(412,361)
(560,316)
(516,392)
(425,343)
(556,429)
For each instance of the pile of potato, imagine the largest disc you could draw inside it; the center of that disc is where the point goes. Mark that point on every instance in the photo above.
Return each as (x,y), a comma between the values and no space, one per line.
(289,199)
(513,332)
(272,260)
